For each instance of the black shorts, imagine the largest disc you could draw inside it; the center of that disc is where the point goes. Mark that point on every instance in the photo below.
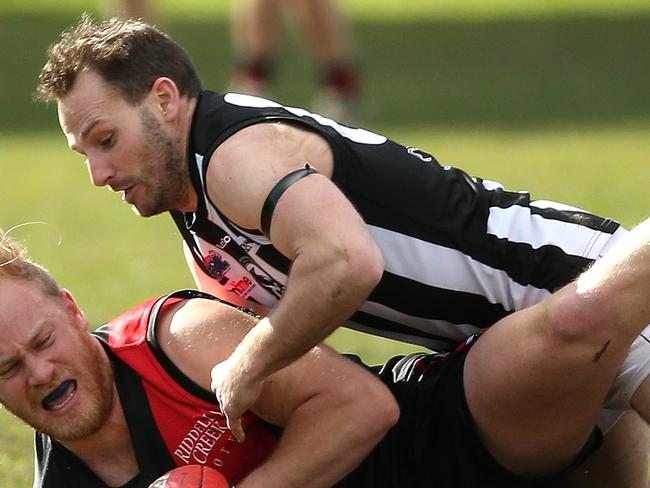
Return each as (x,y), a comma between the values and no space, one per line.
(435,444)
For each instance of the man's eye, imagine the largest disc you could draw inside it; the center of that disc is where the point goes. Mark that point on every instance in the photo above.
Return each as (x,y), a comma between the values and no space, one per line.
(106,142)
(46,341)
(8,371)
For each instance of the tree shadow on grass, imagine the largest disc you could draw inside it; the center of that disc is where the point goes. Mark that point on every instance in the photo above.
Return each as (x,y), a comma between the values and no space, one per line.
(509,73)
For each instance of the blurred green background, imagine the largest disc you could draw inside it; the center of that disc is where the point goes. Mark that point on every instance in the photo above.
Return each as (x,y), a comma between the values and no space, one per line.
(547,96)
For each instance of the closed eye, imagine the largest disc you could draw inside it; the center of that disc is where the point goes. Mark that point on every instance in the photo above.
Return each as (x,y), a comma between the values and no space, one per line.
(8,370)
(45,342)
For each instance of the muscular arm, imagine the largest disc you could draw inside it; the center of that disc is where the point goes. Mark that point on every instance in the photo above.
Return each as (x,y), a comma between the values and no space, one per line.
(336,263)
(333,412)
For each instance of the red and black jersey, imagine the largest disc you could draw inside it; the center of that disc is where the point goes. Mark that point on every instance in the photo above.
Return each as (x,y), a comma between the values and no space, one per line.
(172,420)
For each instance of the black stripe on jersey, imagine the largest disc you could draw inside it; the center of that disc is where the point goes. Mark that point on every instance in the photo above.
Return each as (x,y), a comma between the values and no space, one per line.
(151,452)
(273,257)
(392,330)
(450,209)
(546,267)
(429,302)
(180,378)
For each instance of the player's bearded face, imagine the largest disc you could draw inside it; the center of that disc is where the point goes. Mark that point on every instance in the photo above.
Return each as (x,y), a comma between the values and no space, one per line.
(53,375)
(126,146)
(93,382)
(163,174)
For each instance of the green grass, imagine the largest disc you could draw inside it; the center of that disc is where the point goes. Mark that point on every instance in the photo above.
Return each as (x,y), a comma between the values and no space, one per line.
(550,97)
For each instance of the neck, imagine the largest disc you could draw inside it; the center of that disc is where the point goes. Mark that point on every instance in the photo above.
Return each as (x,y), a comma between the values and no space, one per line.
(109,452)
(185,129)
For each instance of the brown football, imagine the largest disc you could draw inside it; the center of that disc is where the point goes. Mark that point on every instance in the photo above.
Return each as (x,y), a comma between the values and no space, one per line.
(191,476)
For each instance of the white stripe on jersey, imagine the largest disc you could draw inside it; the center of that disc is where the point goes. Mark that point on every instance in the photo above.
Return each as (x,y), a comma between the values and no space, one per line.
(455,332)
(518,224)
(450,269)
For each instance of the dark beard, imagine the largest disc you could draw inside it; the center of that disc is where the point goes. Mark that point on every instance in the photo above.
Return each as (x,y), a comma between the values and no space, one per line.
(169,174)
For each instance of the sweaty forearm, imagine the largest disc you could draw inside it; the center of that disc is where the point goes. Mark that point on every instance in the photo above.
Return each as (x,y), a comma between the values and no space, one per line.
(328,436)
(321,294)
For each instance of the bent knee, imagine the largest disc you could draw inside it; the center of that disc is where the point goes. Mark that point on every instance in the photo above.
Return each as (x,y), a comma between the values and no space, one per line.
(387,411)
(572,320)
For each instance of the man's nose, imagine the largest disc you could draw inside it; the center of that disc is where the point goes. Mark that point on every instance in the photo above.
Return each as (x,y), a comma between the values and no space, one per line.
(100,171)
(40,370)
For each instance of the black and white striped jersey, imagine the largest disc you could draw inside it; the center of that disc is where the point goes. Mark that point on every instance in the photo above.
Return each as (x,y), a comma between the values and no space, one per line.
(460,252)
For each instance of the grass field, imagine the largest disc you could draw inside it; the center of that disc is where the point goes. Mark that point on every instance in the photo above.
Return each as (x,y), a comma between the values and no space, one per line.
(550,97)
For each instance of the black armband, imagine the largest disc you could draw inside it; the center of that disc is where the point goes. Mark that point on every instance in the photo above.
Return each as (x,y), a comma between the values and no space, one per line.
(277,191)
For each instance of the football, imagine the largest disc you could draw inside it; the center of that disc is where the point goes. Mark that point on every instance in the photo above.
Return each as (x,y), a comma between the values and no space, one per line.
(191,476)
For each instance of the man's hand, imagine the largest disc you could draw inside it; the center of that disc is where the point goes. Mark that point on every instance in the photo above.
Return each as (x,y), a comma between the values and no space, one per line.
(235,392)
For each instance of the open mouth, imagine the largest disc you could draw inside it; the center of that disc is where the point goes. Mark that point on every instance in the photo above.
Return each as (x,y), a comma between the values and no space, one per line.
(60,397)
(125,194)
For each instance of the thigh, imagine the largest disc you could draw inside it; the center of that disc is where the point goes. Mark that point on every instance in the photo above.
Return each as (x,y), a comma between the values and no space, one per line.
(436,442)
(535,397)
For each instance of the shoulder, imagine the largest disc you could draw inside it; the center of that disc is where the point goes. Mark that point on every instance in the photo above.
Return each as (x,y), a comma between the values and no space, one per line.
(244,169)
(196,334)
(265,139)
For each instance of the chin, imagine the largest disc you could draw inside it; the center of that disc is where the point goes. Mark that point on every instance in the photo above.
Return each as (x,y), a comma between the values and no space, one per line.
(150,210)
(144,212)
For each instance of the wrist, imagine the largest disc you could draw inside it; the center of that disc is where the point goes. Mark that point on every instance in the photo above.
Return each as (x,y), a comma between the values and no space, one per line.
(253,353)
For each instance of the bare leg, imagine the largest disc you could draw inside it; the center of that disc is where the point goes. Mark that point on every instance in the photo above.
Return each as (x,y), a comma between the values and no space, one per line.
(328,30)
(256,25)
(536,381)
(622,461)
(641,400)
(338,94)
(255,32)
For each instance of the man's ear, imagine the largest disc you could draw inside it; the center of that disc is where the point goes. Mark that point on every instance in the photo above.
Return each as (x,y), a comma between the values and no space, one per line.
(73,308)
(166,98)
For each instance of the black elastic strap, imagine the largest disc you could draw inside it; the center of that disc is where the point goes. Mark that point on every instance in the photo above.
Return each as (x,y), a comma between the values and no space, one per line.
(277,191)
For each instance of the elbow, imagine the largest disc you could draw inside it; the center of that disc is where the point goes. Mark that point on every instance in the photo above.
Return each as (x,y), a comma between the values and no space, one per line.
(390,413)
(366,267)
(375,267)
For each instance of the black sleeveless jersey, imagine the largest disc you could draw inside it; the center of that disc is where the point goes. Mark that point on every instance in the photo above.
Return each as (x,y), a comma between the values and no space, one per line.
(460,252)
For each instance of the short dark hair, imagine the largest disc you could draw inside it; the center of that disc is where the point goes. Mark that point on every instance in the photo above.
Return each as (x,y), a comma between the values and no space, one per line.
(128,54)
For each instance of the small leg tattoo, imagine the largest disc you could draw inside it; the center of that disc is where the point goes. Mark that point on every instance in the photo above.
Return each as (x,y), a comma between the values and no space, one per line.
(598,355)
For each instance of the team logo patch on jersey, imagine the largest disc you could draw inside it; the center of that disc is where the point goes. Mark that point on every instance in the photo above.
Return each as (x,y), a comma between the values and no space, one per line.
(215,266)
(241,287)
